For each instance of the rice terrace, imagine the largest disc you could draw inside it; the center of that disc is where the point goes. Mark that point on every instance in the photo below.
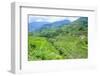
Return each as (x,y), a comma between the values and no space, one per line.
(56,37)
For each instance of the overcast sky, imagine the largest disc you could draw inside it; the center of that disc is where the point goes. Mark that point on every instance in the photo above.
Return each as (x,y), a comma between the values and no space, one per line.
(49,18)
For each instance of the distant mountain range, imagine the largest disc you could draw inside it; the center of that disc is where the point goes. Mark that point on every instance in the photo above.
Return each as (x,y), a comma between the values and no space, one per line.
(35,26)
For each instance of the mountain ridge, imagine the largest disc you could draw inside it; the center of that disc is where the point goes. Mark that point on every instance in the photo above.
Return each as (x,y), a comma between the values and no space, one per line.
(35,26)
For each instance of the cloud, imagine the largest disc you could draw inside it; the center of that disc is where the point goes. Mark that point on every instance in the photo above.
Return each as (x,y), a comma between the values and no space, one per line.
(72,18)
(49,18)
(53,19)
(39,20)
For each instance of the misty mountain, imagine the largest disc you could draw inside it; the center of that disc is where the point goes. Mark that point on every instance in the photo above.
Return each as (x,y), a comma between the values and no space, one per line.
(36,26)
(56,24)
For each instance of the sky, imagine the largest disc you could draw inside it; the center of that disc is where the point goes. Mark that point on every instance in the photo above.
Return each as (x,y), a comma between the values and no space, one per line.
(50,19)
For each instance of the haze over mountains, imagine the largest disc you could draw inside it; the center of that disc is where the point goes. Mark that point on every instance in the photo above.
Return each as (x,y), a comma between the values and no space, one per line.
(35,26)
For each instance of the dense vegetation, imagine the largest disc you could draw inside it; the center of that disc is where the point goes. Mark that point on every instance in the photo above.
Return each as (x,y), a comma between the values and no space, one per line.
(63,42)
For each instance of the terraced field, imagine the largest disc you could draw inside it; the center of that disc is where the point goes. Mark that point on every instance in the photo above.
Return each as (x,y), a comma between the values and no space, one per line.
(40,49)
(66,42)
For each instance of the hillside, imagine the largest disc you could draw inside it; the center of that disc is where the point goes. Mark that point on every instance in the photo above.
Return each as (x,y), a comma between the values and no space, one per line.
(37,26)
(68,41)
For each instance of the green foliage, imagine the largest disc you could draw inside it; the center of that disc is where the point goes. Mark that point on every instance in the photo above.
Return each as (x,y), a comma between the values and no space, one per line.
(71,46)
(40,49)
(66,42)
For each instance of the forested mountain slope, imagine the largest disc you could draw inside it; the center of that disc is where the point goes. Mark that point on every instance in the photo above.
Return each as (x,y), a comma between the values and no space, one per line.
(68,41)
